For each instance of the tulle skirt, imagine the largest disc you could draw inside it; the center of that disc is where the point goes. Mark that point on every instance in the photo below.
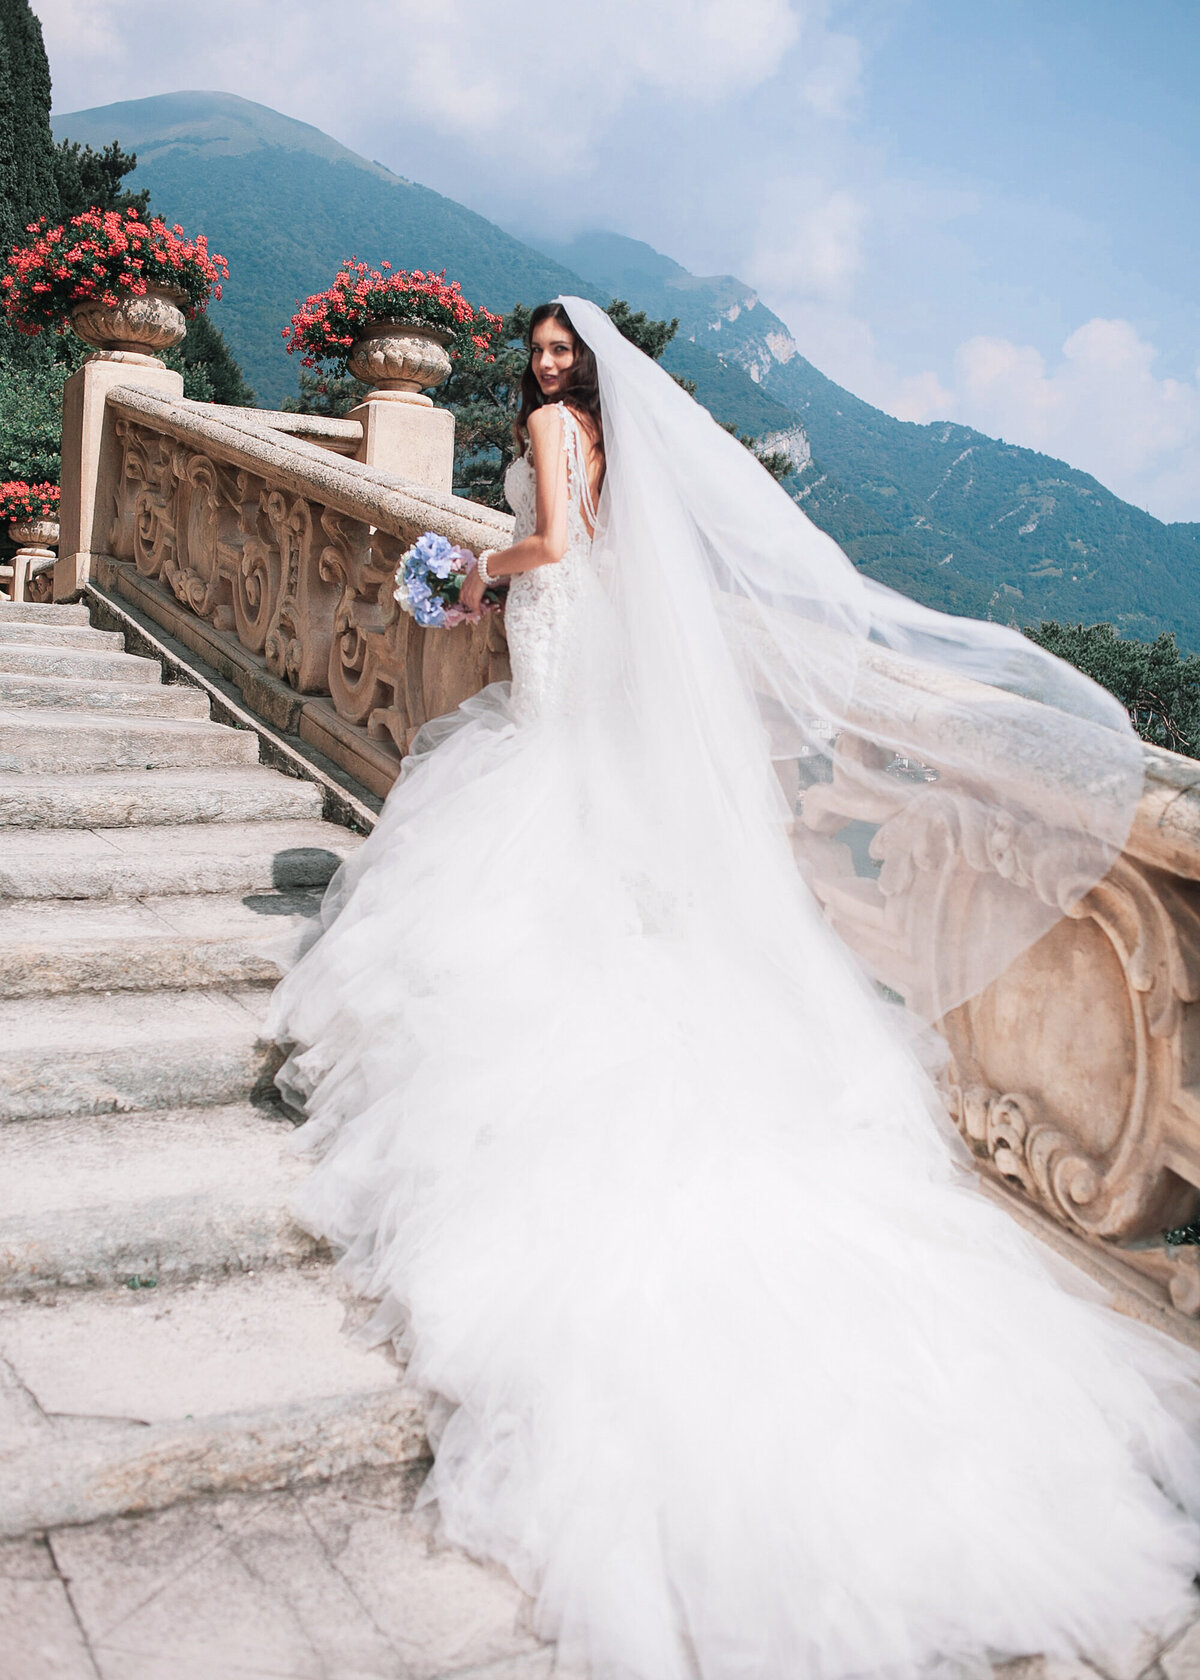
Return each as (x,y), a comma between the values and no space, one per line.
(727,1359)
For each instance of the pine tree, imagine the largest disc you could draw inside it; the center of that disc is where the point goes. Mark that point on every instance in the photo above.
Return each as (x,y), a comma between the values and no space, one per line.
(205,351)
(1157,685)
(95,180)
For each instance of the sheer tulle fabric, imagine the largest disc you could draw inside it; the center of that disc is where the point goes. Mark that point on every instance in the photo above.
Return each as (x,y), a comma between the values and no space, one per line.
(706,559)
(727,1361)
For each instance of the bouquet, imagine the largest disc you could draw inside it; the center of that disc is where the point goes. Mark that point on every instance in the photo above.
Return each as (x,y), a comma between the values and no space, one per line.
(429,580)
(25,504)
(97,258)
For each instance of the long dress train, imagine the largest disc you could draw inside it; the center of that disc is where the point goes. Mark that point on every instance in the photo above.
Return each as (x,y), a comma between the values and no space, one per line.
(727,1359)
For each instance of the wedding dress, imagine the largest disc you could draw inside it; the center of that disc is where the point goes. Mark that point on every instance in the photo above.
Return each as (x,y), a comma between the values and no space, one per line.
(727,1359)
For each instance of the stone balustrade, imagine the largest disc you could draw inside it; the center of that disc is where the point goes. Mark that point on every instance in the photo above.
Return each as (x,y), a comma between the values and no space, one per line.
(265,529)
(1074,1078)
(268,543)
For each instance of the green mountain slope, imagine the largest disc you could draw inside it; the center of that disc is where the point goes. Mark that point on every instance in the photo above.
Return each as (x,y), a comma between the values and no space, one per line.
(1040,538)
(956,518)
(285,203)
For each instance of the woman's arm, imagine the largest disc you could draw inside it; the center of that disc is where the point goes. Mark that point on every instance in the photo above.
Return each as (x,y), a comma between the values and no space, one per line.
(548,542)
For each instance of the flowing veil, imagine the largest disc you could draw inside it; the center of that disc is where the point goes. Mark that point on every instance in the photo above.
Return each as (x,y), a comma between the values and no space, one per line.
(716,1338)
(739,635)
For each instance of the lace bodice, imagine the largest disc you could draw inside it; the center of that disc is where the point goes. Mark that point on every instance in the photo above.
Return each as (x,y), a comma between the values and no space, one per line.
(542,616)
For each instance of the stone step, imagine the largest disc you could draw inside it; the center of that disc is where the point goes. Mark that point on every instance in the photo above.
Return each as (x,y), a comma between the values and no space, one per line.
(147,1199)
(80,636)
(124,799)
(132,1051)
(84,694)
(41,661)
(50,947)
(144,862)
(131,1400)
(43,612)
(65,742)
(333,1579)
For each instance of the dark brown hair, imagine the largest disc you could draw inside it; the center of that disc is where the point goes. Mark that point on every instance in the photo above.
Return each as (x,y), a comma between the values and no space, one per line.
(581,391)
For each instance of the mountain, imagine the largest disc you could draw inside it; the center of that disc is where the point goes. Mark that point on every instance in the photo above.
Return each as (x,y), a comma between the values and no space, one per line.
(962,521)
(285,203)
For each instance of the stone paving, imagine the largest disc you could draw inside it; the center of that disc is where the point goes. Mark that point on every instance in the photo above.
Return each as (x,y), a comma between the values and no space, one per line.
(201,1476)
(329,1582)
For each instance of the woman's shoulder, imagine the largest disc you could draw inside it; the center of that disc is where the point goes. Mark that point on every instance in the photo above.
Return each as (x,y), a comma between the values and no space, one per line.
(546,419)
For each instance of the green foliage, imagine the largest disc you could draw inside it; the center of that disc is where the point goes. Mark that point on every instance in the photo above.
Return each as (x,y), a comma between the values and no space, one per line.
(330,394)
(27,179)
(1158,685)
(285,218)
(963,522)
(205,354)
(31,408)
(651,337)
(94,180)
(969,523)
(484,398)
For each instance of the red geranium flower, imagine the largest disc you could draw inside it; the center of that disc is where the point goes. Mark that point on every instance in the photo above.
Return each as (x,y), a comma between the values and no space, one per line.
(62,266)
(326,325)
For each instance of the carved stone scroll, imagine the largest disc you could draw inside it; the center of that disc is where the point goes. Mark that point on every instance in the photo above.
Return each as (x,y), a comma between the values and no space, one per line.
(299,581)
(1072,1074)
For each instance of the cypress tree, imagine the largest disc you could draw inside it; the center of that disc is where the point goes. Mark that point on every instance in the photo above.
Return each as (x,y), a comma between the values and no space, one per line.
(28,187)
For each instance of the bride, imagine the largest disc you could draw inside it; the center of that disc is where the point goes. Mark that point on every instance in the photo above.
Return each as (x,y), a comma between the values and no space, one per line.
(726,1358)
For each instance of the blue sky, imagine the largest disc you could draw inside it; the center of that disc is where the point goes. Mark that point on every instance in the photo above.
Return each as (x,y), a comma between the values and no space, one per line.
(1078,125)
(983,210)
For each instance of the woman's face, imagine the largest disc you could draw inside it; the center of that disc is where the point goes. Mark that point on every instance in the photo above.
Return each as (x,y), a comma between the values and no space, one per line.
(553,352)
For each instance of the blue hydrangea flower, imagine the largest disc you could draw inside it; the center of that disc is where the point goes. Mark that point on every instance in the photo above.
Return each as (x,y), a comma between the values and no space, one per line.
(430,614)
(422,586)
(435,554)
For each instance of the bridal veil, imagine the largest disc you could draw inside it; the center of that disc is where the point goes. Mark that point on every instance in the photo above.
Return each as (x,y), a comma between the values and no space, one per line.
(737,633)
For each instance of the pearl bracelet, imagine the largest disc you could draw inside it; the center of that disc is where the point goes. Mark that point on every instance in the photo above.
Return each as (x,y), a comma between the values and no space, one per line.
(481,566)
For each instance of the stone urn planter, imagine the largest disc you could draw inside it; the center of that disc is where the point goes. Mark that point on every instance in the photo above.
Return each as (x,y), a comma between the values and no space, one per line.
(32,569)
(143,325)
(401,359)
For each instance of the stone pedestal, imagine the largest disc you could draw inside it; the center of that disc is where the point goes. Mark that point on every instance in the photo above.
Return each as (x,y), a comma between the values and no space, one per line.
(403,433)
(91,457)
(33,563)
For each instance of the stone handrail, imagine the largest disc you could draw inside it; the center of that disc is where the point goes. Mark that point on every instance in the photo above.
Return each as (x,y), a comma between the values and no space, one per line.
(344,437)
(1074,1078)
(258,541)
(258,526)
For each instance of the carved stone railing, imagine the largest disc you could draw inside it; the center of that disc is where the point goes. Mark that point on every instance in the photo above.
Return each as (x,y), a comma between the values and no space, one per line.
(287,553)
(1074,1078)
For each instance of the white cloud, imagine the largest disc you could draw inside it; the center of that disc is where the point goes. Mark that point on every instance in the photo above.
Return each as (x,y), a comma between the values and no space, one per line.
(542,78)
(810,240)
(833,72)
(1099,406)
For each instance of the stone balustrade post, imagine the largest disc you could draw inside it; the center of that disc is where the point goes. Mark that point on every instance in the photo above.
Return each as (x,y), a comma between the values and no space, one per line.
(403,433)
(92,457)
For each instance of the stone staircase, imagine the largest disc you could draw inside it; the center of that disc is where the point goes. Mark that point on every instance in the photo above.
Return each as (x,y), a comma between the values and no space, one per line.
(200,1474)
